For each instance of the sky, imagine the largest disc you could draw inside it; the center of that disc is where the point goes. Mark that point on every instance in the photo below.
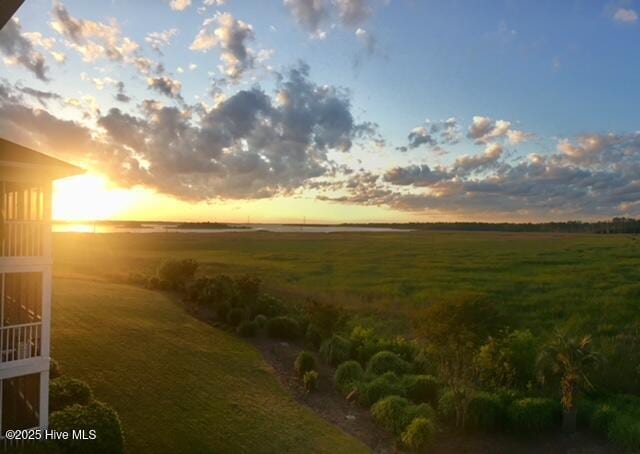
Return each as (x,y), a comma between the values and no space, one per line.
(330,110)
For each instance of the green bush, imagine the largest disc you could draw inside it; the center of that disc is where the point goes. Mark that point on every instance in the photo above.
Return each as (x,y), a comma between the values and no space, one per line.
(54,369)
(313,337)
(282,328)
(422,388)
(385,385)
(304,363)
(177,273)
(447,407)
(419,434)
(65,391)
(247,290)
(235,316)
(310,380)
(326,318)
(533,414)
(386,361)
(601,418)
(624,430)
(247,328)
(261,321)
(335,350)
(486,412)
(95,416)
(390,413)
(419,411)
(269,306)
(348,375)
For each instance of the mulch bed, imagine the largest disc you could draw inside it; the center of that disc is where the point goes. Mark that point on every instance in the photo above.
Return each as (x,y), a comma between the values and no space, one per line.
(326,400)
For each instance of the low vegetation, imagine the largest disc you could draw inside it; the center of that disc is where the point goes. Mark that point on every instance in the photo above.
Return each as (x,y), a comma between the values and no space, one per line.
(471,364)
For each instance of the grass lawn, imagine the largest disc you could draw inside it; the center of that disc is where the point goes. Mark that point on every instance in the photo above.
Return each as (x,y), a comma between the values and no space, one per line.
(537,279)
(178,384)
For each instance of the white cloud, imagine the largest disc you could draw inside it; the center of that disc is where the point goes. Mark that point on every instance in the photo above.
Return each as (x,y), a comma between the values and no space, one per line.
(179,5)
(626,15)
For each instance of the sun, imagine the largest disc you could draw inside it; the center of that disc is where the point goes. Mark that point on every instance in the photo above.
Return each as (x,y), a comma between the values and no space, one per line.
(87,197)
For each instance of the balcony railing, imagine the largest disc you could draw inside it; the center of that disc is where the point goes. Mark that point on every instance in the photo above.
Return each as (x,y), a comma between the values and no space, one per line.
(18,342)
(21,238)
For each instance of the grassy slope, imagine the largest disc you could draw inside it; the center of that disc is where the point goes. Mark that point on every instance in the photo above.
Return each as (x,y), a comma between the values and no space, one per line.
(537,279)
(178,384)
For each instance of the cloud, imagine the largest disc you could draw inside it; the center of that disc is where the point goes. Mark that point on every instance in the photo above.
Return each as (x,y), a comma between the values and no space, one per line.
(179,5)
(121,96)
(368,40)
(353,12)
(625,15)
(485,130)
(166,85)
(19,50)
(433,135)
(250,145)
(158,40)
(93,40)
(310,14)
(231,36)
(594,176)
(43,97)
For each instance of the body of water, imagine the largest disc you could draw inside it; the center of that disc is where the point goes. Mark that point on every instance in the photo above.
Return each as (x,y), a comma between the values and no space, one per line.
(84,227)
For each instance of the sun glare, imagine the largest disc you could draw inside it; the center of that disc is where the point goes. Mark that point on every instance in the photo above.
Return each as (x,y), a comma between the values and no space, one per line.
(86,197)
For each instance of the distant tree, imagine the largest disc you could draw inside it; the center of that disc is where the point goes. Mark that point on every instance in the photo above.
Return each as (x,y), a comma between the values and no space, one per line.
(453,332)
(570,359)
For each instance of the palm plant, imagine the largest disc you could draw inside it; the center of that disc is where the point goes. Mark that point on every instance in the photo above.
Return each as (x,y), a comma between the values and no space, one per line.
(570,358)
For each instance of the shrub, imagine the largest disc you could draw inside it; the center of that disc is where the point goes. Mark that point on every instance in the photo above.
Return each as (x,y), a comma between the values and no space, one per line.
(485,412)
(235,316)
(624,430)
(447,406)
(177,273)
(268,305)
(304,363)
(348,375)
(217,291)
(282,328)
(390,413)
(261,321)
(326,318)
(533,414)
(65,391)
(386,361)
(422,388)
(335,350)
(247,290)
(419,434)
(310,380)
(385,385)
(95,416)
(312,337)
(247,328)
(54,369)
(419,411)
(602,418)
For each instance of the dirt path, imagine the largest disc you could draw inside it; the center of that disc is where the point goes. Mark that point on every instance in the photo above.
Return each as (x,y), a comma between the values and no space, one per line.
(326,400)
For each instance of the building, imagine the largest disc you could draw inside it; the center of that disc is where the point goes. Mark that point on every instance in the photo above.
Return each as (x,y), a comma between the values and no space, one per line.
(26,178)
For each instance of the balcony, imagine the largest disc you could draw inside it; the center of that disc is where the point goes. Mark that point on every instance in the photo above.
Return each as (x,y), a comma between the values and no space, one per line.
(22,223)
(19,342)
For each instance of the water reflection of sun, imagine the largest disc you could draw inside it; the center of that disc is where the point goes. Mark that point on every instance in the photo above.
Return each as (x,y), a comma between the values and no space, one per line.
(87,197)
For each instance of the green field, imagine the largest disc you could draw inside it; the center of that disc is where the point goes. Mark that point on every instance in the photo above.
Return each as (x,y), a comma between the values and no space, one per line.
(591,282)
(179,385)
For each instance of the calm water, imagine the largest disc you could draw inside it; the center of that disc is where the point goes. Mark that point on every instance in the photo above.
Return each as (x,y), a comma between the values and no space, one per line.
(161,228)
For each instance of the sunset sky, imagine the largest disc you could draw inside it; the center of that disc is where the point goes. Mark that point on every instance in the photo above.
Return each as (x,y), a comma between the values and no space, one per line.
(333,110)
